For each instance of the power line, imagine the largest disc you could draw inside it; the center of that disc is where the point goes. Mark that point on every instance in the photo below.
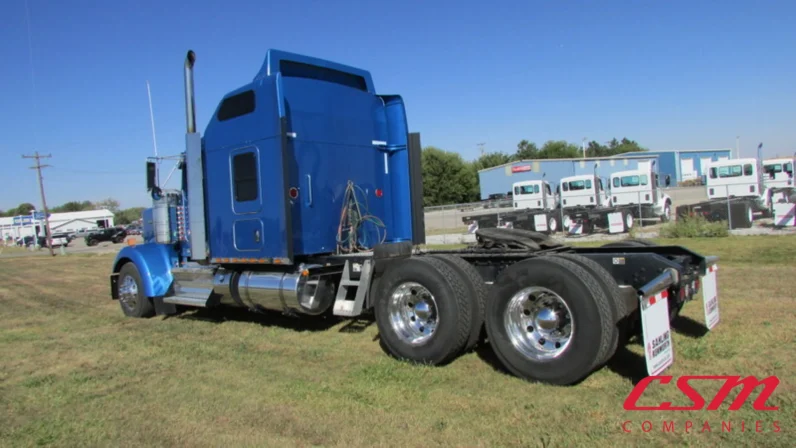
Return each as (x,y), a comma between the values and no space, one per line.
(38,168)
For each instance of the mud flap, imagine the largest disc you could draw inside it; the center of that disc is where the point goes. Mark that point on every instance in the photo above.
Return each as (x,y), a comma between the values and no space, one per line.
(710,297)
(658,348)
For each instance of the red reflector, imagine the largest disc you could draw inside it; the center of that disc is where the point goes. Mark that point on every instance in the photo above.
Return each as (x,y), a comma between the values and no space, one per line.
(293,192)
(379,193)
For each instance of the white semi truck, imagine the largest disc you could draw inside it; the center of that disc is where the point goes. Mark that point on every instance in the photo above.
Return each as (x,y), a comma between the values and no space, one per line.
(535,208)
(631,195)
(736,193)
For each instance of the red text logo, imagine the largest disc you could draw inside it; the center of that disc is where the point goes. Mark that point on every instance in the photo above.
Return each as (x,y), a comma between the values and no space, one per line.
(748,384)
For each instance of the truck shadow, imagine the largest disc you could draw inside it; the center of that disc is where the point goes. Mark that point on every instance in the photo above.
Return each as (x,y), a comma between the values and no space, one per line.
(689,327)
(627,364)
(299,323)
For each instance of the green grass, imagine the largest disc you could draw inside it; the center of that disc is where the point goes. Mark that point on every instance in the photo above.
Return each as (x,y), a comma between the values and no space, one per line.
(76,372)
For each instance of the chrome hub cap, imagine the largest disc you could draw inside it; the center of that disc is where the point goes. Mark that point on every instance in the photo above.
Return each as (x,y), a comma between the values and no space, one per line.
(128,291)
(538,323)
(413,313)
(629,220)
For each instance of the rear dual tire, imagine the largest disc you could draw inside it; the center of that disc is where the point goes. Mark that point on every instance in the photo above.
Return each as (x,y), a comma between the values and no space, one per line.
(424,311)
(549,319)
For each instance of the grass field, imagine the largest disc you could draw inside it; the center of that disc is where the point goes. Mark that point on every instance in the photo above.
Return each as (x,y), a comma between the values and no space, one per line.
(75,372)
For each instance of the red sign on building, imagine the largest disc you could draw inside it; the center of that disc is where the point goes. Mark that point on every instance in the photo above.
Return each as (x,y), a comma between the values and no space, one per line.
(520,169)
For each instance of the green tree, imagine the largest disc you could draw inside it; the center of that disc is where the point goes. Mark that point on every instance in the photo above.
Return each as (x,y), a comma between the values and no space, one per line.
(559,149)
(22,209)
(526,151)
(128,215)
(447,178)
(109,204)
(490,160)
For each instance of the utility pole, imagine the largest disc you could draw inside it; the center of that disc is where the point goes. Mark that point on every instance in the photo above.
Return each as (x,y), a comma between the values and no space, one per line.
(38,168)
(737,146)
(584,147)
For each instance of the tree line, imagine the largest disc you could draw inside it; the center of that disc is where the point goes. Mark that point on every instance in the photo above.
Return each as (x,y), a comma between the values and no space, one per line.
(121,216)
(449,179)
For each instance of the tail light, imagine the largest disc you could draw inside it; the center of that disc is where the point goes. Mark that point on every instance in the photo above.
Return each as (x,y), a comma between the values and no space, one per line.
(379,193)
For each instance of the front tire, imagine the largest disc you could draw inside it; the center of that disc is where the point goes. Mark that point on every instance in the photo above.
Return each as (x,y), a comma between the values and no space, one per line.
(549,320)
(423,311)
(131,295)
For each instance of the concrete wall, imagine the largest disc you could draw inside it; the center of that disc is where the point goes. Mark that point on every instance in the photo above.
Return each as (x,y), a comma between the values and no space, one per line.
(500,179)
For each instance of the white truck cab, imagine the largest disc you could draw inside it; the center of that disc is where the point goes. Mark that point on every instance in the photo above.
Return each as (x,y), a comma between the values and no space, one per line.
(586,190)
(734,178)
(534,195)
(778,173)
(635,187)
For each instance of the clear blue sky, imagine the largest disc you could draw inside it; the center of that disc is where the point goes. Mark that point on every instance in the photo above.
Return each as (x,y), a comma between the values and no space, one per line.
(669,74)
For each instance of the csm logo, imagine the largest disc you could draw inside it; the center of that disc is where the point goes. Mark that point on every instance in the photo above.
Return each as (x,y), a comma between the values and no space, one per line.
(748,385)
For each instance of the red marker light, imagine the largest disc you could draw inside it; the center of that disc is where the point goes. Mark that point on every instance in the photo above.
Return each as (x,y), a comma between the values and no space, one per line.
(293,192)
(379,193)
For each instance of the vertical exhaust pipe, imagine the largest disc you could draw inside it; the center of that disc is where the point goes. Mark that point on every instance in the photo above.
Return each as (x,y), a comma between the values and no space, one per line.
(190,114)
(194,171)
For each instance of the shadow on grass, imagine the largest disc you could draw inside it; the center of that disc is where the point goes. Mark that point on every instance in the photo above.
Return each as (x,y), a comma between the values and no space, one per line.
(299,323)
(628,365)
(689,327)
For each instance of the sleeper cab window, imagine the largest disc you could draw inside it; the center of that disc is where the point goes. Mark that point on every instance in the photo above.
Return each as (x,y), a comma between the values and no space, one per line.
(748,170)
(588,184)
(616,182)
(236,106)
(244,176)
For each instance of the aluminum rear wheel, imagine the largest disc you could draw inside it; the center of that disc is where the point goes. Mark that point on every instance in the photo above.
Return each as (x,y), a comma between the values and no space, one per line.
(539,323)
(413,313)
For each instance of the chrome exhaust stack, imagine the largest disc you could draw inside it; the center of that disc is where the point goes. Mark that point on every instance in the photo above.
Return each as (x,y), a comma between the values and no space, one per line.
(194,170)
(190,108)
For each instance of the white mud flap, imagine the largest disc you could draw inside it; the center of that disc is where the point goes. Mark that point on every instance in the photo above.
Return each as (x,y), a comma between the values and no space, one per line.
(658,349)
(540,223)
(615,223)
(710,297)
(784,214)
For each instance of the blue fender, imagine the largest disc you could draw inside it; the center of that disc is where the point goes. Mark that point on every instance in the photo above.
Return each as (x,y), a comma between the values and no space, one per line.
(154,262)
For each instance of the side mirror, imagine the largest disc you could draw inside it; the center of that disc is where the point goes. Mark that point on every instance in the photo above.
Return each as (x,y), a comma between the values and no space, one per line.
(151,171)
(668,180)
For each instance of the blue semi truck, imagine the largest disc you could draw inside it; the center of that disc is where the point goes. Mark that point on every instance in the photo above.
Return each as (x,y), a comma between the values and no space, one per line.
(304,196)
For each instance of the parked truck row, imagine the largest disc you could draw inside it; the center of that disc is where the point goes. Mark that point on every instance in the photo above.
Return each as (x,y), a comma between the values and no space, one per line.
(583,203)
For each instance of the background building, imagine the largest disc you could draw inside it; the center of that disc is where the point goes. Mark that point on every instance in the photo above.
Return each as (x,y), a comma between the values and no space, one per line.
(680,165)
(59,222)
(685,165)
